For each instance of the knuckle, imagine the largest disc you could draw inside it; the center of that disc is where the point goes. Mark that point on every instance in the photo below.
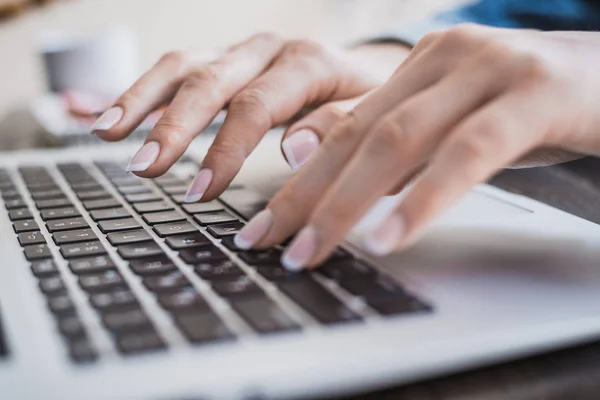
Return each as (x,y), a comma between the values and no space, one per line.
(177,58)
(208,74)
(388,137)
(170,131)
(343,132)
(332,112)
(252,103)
(462,33)
(270,37)
(535,69)
(429,38)
(305,47)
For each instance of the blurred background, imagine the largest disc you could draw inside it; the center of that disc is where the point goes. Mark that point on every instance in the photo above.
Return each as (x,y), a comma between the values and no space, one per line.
(110,42)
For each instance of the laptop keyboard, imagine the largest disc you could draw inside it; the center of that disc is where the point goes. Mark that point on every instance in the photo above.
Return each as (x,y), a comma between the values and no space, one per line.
(110,236)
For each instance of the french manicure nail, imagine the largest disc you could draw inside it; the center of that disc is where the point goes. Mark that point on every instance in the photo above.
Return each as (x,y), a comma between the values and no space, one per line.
(199,186)
(302,249)
(144,158)
(299,147)
(385,238)
(108,119)
(255,230)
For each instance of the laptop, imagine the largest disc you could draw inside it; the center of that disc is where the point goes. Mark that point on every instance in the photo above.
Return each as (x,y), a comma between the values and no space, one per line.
(112,287)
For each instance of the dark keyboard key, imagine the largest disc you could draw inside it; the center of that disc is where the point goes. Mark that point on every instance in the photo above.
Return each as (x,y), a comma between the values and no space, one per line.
(10,195)
(202,255)
(83,249)
(162,217)
(227,241)
(223,230)
(346,270)
(138,235)
(86,186)
(109,213)
(277,272)
(52,285)
(71,327)
(91,265)
(100,204)
(156,265)
(15,203)
(49,194)
(44,268)
(264,315)
(195,208)
(214,218)
(218,270)
(53,203)
(174,228)
(27,225)
(58,213)
(126,320)
(93,195)
(66,224)
(204,327)
(168,179)
(102,282)
(118,225)
(138,250)
(82,351)
(240,286)
(19,214)
(140,342)
(175,189)
(37,252)
(169,283)
(78,235)
(142,197)
(115,300)
(372,287)
(27,238)
(61,305)
(189,240)
(185,301)
(389,306)
(261,257)
(132,189)
(317,301)
(152,206)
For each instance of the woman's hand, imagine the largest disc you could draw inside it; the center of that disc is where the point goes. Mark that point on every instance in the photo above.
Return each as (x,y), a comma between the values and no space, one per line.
(264,82)
(465,103)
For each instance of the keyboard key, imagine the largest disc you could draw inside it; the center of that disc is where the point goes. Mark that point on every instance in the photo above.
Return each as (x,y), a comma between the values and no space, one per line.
(102,282)
(66,224)
(58,213)
(118,225)
(27,238)
(402,304)
(202,255)
(93,195)
(239,286)
(10,195)
(178,198)
(175,189)
(261,257)
(214,218)
(174,228)
(71,327)
(131,188)
(86,187)
(227,241)
(152,206)
(346,270)
(78,235)
(162,217)
(83,249)
(372,287)
(138,235)
(223,230)
(82,351)
(44,268)
(19,214)
(49,194)
(189,240)
(169,283)
(264,315)
(53,203)
(116,300)
(138,250)
(37,252)
(91,265)
(15,203)
(195,208)
(218,270)
(277,273)
(126,320)
(157,265)
(140,342)
(26,225)
(61,305)
(203,327)
(52,285)
(142,197)
(185,301)
(109,213)
(317,301)
(100,204)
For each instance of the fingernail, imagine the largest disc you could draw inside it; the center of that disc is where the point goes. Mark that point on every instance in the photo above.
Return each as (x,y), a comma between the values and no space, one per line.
(199,186)
(299,147)
(108,119)
(299,253)
(384,239)
(255,230)
(144,158)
